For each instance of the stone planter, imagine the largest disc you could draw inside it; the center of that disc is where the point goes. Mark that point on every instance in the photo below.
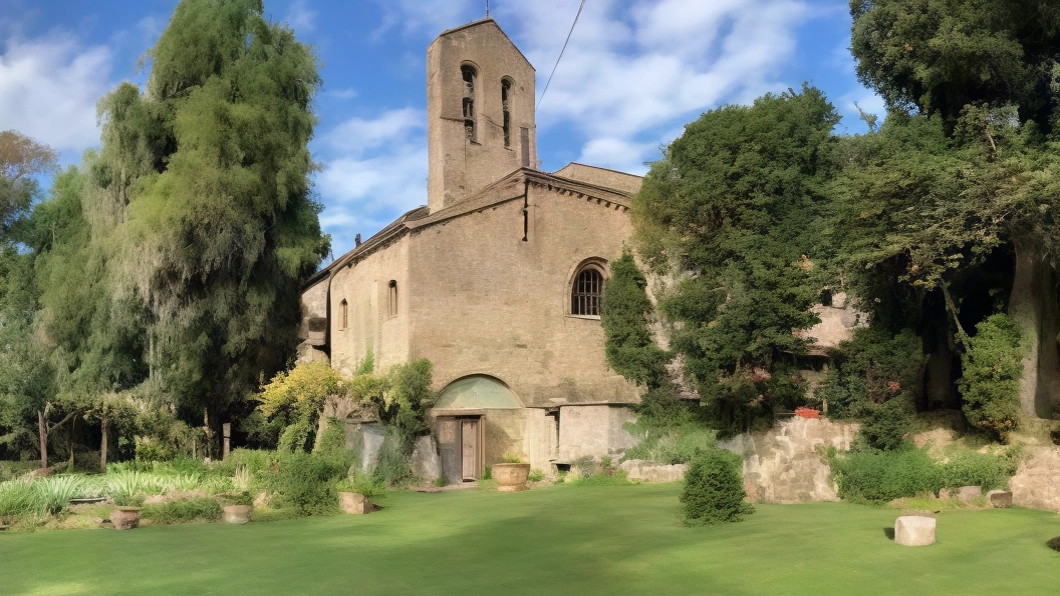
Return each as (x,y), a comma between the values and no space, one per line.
(355,503)
(510,477)
(125,518)
(237,514)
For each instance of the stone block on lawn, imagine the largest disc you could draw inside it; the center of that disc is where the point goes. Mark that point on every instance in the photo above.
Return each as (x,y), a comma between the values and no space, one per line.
(355,503)
(1000,499)
(914,530)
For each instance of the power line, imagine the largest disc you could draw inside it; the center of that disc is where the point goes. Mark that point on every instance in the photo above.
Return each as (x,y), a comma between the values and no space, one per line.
(580,7)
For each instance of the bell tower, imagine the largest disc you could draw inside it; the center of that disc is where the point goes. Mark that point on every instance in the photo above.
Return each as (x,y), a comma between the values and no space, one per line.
(480,112)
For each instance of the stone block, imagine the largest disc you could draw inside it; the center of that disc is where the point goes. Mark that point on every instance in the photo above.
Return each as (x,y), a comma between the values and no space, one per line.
(355,503)
(640,469)
(967,493)
(944,493)
(1000,499)
(425,461)
(914,530)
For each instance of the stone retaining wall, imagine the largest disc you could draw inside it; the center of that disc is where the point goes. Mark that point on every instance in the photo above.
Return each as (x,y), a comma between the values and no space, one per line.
(787,464)
(1036,484)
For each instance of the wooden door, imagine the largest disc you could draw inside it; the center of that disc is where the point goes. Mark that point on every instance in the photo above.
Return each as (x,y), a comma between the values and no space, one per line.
(449,449)
(469,448)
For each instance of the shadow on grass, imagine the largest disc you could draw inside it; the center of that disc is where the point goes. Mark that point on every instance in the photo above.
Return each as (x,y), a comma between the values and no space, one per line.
(889,533)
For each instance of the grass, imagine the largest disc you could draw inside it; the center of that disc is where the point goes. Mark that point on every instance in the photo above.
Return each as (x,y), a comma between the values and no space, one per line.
(557,540)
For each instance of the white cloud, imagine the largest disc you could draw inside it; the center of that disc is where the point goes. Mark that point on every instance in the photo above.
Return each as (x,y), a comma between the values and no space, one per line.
(867,101)
(374,170)
(358,134)
(347,93)
(300,17)
(424,16)
(633,73)
(49,88)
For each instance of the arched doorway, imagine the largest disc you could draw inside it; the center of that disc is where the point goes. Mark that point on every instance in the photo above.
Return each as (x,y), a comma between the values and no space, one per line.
(461,412)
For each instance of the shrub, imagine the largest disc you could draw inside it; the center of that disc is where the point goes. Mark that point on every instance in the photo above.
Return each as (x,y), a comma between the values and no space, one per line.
(410,397)
(239,498)
(333,440)
(969,468)
(991,375)
(624,315)
(889,424)
(392,467)
(172,512)
(441,481)
(1054,543)
(535,476)
(254,460)
(874,367)
(306,482)
(874,475)
(298,396)
(365,484)
(672,429)
(713,491)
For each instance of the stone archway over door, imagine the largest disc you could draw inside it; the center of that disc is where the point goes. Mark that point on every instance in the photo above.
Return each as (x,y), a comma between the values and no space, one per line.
(462,412)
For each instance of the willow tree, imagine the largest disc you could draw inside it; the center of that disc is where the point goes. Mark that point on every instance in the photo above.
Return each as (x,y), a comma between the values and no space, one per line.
(95,341)
(990,71)
(24,372)
(207,175)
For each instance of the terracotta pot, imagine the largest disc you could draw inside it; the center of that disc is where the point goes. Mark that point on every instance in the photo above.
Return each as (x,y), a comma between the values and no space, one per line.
(237,514)
(511,477)
(355,503)
(125,518)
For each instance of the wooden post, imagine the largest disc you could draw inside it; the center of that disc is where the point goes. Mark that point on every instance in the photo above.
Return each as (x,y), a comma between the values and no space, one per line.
(226,431)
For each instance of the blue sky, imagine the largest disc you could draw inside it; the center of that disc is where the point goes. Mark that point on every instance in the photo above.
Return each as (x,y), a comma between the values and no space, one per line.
(635,72)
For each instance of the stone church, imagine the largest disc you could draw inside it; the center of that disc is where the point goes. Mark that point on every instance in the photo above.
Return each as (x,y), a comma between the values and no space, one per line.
(497,280)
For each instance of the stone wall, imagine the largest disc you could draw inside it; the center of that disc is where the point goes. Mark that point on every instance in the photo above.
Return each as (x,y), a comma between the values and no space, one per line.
(787,464)
(593,431)
(601,177)
(371,322)
(1036,484)
(485,301)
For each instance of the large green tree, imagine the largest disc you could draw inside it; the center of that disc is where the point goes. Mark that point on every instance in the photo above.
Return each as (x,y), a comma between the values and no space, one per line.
(25,375)
(977,194)
(941,55)
(735,213)
(171,263)
(210,169)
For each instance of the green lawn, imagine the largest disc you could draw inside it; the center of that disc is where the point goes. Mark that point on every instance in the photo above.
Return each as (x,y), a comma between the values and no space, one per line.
(558,540)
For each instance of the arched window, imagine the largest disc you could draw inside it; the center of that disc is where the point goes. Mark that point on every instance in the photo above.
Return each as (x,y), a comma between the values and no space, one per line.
(469,75)
(506,98)
(343,314)
(586,292)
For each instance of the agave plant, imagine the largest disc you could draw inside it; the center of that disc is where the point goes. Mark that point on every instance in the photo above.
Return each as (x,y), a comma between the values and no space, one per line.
(54,493)
(17,497)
